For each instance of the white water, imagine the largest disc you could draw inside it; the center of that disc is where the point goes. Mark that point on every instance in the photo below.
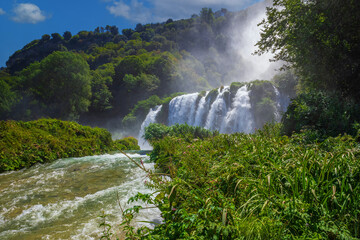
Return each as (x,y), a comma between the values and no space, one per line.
(182,109)
(227,113)
(217,111)
(239,118)
(64,199)
(150,118)
(223,114)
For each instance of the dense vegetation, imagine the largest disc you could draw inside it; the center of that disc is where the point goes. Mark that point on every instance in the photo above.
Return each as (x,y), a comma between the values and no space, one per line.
(23,144)
(114,70)
(295,180)
(319,39)
(252,186)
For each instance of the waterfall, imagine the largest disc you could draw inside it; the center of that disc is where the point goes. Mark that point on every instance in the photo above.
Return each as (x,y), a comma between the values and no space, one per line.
(239,118)
(150,118)
(224,113)
(218,111)
(225,110)
(201,110)
(182,109)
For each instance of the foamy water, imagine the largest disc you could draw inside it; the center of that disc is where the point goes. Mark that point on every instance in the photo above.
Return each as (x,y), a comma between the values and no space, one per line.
(64,199)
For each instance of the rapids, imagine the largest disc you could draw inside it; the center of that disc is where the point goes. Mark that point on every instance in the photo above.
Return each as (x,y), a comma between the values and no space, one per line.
(64,199)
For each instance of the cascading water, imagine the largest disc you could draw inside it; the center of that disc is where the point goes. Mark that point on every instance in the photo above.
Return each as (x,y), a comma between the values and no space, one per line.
(217,111)
(150,118)
(182,109)
(225,110)
(222,113)
(239,118)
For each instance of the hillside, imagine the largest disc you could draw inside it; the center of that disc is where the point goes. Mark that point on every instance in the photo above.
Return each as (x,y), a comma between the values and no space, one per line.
(112,70)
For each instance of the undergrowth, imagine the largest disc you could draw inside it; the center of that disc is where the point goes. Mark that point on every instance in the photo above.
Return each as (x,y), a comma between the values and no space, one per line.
(254,186)
(23,144)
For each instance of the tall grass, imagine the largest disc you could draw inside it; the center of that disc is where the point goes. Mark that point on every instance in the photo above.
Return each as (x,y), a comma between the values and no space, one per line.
(257,186)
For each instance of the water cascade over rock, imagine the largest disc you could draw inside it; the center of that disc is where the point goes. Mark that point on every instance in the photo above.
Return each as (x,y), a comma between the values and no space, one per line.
(238,108)
(150,118)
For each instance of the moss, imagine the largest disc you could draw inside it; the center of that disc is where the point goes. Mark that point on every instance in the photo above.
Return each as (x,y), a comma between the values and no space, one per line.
(262,88)
(202,94)
(23,144)
(234,87)
(212,95)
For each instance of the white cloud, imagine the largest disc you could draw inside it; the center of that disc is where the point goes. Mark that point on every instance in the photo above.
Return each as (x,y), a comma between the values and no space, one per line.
(145,11)
(134,11)
(2,12)
(28,13)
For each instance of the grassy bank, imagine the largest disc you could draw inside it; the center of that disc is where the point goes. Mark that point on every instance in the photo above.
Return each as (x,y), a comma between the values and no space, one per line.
(22,144)
(254,186)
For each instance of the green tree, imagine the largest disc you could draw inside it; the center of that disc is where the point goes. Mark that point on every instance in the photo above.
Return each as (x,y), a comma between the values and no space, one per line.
(62,82)
(45,38)
(207,16)
(56,37)
(67,35)
(320,38)
(101,95)
(129,65)
(8,97)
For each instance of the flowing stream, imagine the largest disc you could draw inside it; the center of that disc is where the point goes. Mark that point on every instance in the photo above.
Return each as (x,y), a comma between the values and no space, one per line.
(64,199)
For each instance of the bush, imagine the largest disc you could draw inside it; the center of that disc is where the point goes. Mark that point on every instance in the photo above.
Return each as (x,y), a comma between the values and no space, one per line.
(156,131)
(326,113)
(263,101)
(127,143)
(255,186)
(23,144)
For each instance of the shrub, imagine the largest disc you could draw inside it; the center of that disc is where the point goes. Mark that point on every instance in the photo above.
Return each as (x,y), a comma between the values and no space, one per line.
(255,186)
(127,143)
(326,113)
(23,144)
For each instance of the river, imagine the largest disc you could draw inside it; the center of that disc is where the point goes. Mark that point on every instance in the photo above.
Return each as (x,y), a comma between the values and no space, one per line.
(64,199)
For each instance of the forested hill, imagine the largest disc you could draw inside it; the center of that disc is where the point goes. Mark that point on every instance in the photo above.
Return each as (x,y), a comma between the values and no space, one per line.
(103,73)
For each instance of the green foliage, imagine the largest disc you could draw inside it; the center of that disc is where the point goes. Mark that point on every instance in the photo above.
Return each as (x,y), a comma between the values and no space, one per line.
(328,114)
(234,86)
(133,65)
(142,108)
(255,186)
(142,82)
(67,35)
(319,38)
(62,82)
(287,83)
(156,131)
(262,100)
(101,95)
(212,95)
(127,143)
(8,97)
(207,15)
(23,144)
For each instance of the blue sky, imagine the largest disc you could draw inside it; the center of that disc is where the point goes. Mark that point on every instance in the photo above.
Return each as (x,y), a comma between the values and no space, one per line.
(23,21)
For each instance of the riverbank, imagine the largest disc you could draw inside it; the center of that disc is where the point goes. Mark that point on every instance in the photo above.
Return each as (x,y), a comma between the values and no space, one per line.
(254,186)
(23,144)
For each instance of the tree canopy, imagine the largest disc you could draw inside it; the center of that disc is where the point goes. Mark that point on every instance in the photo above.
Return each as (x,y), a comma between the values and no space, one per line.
(61,81)
(320,38)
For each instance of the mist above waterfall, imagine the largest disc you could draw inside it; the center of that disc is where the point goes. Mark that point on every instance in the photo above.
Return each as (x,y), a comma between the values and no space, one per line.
(245,34)
(225,53)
